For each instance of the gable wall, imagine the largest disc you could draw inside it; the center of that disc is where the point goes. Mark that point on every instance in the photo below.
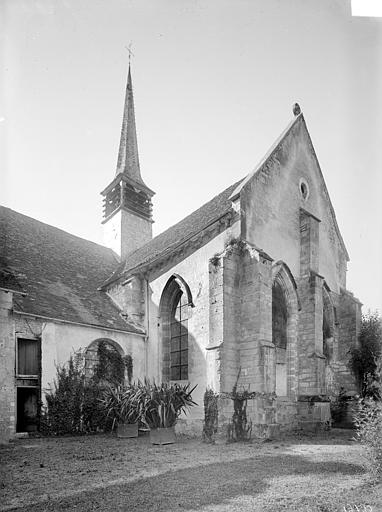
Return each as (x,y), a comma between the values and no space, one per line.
(271,203)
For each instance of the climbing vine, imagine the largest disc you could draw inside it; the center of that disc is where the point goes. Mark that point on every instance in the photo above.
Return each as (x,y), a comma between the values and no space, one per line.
(128,362)
(110,366)
(240,429)
(210,426)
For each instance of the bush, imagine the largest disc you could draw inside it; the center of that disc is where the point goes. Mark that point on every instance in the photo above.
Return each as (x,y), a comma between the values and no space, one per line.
(73,403)
(65,400)
(368,421)
(339,407)
(121,403)
(162,404)
(363,359)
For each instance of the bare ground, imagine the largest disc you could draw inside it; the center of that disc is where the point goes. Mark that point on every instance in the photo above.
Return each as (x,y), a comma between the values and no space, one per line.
(105,473)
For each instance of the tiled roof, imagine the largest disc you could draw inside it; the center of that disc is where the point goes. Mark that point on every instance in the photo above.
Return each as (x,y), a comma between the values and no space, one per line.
(59,272)
(165,243)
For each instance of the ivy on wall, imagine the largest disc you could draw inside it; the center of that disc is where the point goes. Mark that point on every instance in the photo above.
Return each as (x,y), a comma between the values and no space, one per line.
(73,402)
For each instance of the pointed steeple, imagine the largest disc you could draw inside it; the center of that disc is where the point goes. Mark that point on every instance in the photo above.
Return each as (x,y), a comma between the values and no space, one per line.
(127,208)
(128,159)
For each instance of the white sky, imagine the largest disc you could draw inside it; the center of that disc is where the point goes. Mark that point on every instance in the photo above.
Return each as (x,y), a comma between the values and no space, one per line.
(214,83)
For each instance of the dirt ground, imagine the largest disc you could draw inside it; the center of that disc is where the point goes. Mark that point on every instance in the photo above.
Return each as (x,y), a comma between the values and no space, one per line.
(105,473)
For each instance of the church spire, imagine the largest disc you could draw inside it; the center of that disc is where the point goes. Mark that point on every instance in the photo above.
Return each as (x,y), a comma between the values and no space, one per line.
(127,208)
(128,159)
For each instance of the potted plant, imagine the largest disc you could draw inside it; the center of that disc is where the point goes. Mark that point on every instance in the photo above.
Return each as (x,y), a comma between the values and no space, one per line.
(121,405)
(161,406)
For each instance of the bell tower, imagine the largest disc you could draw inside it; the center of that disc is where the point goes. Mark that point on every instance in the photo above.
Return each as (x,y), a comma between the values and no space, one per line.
(127,211)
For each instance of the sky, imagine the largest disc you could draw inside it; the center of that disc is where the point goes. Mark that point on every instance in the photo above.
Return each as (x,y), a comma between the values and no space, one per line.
(214,84)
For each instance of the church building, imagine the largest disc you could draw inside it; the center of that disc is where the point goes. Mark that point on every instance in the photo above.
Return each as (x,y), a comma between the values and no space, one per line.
(251,286)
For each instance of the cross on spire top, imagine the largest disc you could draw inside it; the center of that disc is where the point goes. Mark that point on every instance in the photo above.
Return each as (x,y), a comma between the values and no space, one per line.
(128,48)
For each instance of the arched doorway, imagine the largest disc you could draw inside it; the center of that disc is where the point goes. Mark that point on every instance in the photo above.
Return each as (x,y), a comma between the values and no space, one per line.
(175,310)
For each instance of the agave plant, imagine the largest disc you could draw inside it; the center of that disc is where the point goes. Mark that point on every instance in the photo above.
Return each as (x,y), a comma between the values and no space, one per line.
(120,403)
(162,404)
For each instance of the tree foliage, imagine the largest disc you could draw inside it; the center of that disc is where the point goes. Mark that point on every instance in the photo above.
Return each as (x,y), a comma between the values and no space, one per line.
(368,421)
(364,358)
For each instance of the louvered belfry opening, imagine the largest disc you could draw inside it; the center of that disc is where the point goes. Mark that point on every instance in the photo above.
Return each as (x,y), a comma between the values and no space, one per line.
(112,201)
(131,198)
(137,201)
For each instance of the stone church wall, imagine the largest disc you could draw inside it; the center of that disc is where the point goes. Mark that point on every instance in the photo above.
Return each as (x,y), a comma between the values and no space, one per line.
(194,270)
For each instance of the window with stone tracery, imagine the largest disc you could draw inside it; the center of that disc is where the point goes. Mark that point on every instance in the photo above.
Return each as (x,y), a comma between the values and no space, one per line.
(179,338)
(175,311)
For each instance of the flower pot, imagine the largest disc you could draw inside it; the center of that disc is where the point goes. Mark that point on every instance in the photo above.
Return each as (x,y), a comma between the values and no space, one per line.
(126,430)
(162,435)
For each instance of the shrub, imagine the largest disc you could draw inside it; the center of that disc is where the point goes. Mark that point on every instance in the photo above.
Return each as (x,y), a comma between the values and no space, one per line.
(121,404)
(73,403)
(162,404)
(363,359)
(368,422)
(338,406)
(65,400)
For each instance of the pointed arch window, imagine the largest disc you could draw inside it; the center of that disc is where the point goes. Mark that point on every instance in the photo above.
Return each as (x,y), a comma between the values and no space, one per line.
(179,338)
(279,336)
(175,311)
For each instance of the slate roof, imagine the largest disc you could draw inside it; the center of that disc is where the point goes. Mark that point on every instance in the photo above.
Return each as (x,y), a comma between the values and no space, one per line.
(166,242)
(59,272)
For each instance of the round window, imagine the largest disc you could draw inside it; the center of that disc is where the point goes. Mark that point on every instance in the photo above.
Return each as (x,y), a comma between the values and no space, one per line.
(304,189)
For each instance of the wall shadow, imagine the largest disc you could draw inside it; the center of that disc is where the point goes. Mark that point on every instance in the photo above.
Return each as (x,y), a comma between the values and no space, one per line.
(195,487)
